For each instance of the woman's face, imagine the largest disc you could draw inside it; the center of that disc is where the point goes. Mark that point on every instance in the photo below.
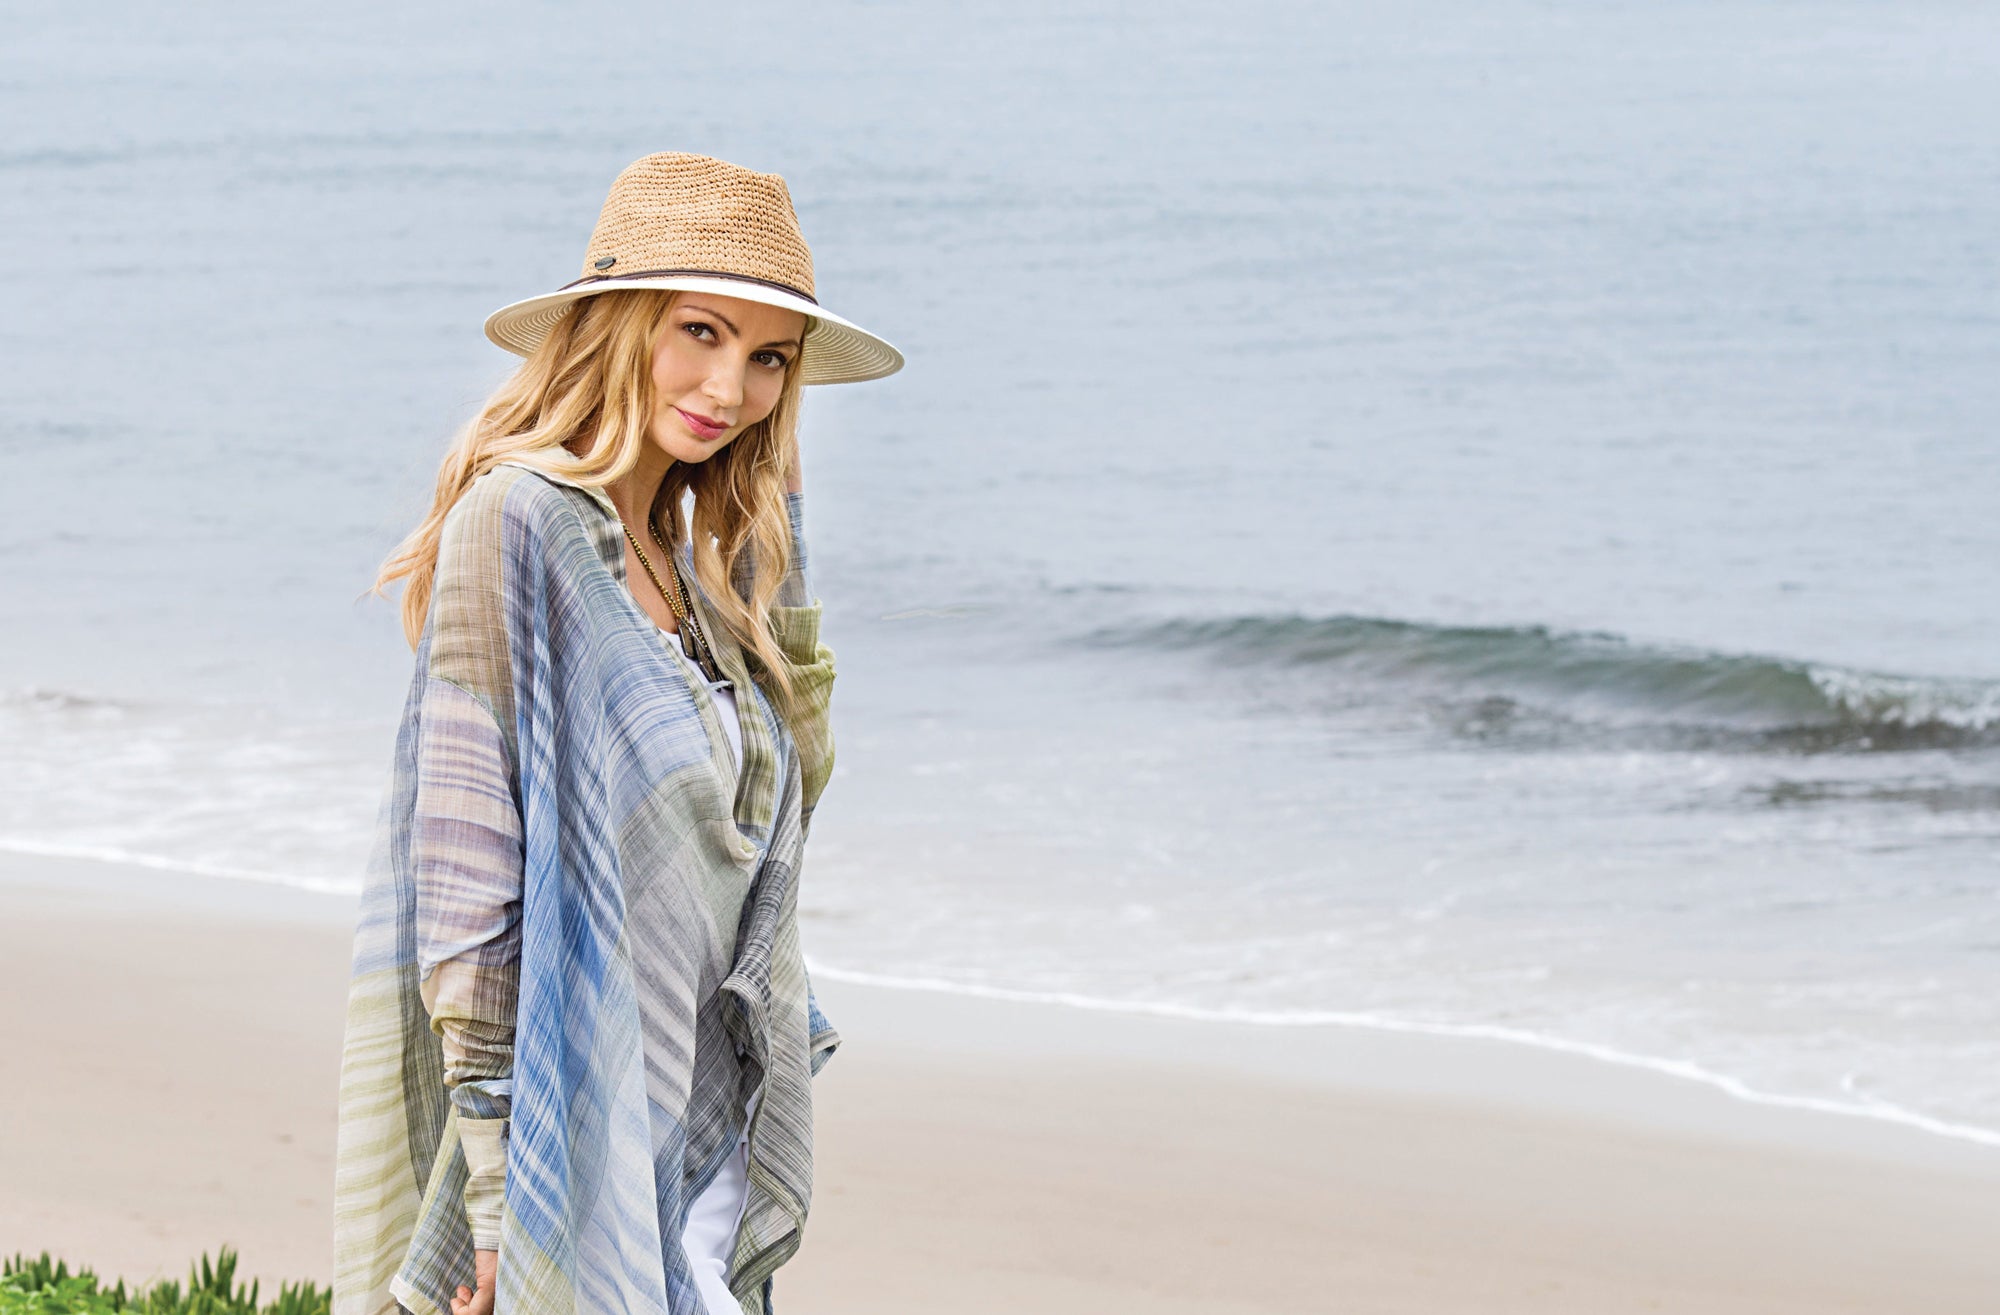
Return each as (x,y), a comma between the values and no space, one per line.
(718,370)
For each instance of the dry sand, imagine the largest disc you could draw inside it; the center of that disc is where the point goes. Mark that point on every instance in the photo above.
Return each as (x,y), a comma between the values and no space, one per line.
(171,1045)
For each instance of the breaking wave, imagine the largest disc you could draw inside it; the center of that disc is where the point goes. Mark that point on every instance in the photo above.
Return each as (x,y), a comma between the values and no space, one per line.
(1530,683)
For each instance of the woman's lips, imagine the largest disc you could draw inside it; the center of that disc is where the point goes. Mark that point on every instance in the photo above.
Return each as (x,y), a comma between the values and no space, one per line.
(701,426)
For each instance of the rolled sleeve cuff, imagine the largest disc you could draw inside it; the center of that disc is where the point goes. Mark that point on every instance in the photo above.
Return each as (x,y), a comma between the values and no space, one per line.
(484,1142)
(487,1098)
(797,631)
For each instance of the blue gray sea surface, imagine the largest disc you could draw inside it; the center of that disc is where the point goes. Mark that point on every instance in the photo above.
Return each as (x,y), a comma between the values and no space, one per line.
(1461,516)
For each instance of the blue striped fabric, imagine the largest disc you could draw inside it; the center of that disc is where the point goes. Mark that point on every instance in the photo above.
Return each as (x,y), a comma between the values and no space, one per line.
(578,952)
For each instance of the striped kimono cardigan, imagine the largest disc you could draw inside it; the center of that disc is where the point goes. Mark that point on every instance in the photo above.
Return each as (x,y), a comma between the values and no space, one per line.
(578,951)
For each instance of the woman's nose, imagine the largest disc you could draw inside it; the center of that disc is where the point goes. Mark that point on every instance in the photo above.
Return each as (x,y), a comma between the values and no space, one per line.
(725,385)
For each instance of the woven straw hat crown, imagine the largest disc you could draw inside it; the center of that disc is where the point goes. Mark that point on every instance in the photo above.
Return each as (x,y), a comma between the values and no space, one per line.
(695,223)
(683,213)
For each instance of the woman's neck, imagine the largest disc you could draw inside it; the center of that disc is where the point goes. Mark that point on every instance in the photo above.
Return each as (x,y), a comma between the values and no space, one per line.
(635,492)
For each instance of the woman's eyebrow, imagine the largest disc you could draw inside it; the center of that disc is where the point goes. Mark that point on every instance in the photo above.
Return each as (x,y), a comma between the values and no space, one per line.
(728,324)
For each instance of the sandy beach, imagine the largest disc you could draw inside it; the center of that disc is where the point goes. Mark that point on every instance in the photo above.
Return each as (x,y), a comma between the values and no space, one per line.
(172,1044)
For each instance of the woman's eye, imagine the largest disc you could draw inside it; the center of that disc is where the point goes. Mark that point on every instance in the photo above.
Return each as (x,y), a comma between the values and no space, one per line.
(697,328)
(775,360)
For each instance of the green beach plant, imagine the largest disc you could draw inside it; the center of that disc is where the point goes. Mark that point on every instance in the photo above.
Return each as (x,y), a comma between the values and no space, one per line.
(45,1286)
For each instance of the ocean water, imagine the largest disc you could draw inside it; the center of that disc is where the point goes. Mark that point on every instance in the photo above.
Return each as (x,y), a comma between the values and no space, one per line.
(1476,519)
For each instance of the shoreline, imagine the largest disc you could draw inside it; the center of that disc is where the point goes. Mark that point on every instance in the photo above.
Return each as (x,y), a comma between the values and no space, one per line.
(1679,1071)
(17,860)
(184,1036)
(1394,1062)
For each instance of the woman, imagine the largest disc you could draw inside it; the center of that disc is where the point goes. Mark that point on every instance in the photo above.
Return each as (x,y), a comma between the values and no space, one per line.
(580,1033)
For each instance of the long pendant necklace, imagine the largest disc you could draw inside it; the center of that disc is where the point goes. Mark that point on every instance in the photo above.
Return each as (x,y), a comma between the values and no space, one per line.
(678,601)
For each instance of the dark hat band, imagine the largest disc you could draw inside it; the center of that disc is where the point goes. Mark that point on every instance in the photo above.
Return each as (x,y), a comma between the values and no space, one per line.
(698,273)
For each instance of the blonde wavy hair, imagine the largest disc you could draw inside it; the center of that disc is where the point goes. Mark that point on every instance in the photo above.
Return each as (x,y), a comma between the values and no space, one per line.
(581,407)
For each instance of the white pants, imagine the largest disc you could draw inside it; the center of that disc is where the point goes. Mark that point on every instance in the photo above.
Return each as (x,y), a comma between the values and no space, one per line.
(710,1235)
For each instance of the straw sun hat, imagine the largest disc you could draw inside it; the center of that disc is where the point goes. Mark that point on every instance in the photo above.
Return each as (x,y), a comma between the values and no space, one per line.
(704,225)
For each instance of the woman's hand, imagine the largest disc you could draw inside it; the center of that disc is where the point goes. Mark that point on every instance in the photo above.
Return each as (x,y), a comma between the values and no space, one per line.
(485,1268)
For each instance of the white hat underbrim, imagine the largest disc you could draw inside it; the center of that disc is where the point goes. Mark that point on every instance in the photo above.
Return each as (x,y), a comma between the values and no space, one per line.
(836,350)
